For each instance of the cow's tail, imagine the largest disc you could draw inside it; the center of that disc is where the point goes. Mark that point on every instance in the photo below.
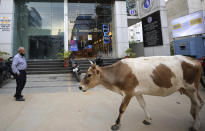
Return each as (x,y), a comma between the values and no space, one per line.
(202,82)
(200,100)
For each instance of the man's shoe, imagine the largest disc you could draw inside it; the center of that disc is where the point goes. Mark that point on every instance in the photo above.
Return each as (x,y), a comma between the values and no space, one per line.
(20,99)
(15,95)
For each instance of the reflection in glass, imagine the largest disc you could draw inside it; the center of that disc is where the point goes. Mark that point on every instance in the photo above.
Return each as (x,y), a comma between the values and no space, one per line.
(39,27)
(86,20)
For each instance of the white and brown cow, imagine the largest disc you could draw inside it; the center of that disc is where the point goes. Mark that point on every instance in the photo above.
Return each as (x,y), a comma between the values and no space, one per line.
(156,76)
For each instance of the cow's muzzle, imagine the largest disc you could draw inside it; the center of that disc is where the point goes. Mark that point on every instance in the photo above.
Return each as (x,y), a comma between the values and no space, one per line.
(81,88)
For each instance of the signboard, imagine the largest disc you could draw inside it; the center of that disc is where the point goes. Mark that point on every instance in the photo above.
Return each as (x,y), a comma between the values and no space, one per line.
(106,37)
(188,25)
(147,7)
(152,32)
(6,28)
(74,38)
(131,8)
(5,24)
(89,37)
(132,12)
(73,45)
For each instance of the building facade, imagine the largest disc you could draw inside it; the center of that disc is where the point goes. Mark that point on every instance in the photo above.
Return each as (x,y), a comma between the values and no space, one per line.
(46,27)
(86,27)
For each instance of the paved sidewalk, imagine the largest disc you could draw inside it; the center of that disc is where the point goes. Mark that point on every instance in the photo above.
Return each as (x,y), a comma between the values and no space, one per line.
(54,103)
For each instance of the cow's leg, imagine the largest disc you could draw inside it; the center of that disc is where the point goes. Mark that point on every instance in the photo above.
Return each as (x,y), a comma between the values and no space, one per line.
(142,103)
(195,108)
(122,109)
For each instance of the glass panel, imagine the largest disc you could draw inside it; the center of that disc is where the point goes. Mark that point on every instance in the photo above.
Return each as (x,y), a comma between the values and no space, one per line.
(45,47)
(43,7)
(103,9)
(86,35)
(39,27)
(57,18)
(57,22)
(57,8)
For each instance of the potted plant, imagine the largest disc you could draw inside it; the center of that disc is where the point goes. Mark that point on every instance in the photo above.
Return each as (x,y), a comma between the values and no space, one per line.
(2,55)
(132,55)
(129,53)
(65,55)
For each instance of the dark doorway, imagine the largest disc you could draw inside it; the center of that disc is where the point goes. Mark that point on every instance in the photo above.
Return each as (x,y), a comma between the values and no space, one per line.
(45,47)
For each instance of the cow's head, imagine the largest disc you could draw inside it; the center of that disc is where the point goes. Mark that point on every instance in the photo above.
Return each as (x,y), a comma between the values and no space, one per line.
(91,79)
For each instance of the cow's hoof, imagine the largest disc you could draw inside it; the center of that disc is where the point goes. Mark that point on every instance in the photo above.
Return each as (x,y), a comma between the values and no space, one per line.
(146,122)
(115,127)
(192,129)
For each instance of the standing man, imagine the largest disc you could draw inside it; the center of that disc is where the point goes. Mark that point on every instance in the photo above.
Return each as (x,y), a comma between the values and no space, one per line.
(19,66)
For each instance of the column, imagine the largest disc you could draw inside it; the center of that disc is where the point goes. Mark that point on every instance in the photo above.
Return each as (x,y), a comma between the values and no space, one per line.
(120,32)
(66,25)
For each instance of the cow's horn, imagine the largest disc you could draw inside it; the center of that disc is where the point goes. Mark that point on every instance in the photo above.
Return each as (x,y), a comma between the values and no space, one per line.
(91,62)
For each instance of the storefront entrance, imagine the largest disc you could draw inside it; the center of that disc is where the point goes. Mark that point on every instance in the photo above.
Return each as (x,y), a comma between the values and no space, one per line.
(39,27)
(90,27)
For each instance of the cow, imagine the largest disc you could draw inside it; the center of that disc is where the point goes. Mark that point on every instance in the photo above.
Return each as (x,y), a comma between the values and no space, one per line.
(156,76)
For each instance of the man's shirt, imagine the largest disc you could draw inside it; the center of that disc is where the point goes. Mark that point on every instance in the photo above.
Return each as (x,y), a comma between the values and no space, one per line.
(19,63)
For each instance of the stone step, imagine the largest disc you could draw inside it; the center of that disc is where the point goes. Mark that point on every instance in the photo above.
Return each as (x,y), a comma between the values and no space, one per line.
(54,72)
(57,66)
(48,72)
(45,66)
(46,69)
(54,69)
(57,60)
(62,61)
(62,64)
(46,63)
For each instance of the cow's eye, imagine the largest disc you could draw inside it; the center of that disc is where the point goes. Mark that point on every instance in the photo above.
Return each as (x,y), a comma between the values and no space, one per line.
(89,75)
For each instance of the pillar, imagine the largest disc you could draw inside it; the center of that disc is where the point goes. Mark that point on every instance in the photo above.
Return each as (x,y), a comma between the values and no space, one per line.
(120,31)
(66,25)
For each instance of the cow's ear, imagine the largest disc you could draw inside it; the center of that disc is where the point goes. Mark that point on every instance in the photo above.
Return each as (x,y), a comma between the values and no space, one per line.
(92,62)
